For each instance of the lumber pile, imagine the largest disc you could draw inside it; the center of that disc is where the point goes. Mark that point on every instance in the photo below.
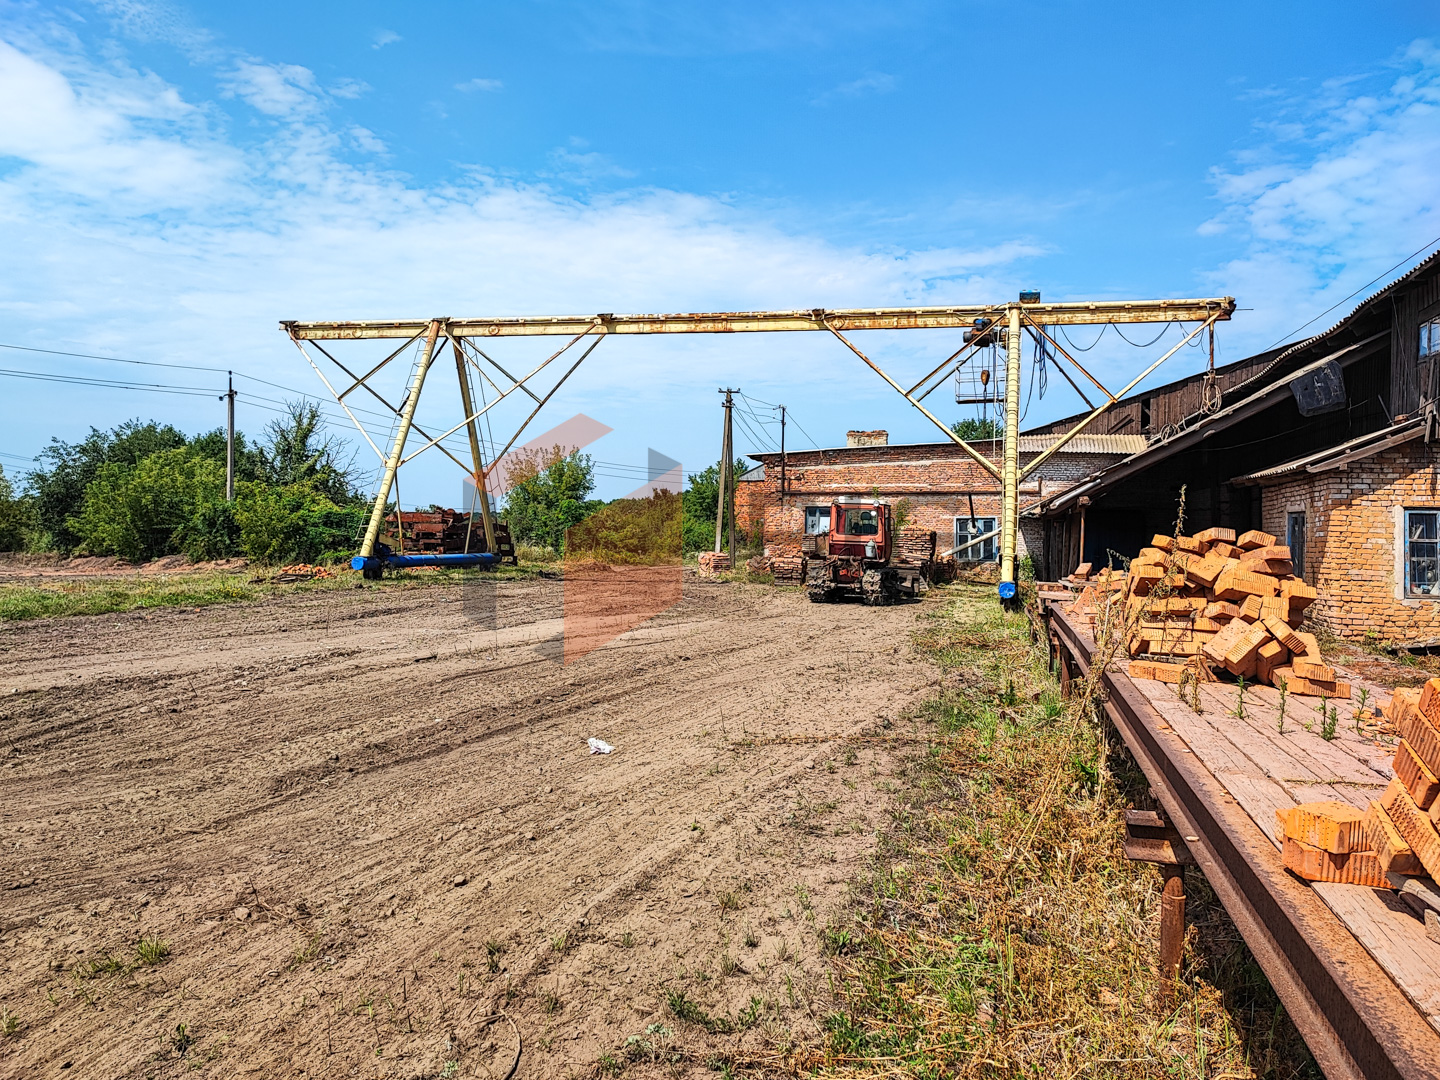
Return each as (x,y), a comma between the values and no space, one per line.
(1214,601)
(915,546)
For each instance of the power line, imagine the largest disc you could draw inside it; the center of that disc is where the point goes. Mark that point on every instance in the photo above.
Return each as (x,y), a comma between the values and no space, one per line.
(1358,291)
(112,384)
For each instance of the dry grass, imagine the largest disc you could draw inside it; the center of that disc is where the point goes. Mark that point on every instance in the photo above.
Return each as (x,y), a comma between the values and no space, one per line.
(1003,933)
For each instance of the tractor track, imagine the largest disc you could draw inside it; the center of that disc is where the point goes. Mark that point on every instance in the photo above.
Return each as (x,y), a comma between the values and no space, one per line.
(291,759)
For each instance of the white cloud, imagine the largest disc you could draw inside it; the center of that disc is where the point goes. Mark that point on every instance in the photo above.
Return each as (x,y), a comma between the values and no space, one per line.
(1346,186)
(875,82)
(381,38)
(132,224)
(483,85)
(284,91)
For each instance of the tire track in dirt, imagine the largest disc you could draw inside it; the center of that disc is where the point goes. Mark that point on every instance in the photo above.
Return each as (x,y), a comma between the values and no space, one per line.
(140,819)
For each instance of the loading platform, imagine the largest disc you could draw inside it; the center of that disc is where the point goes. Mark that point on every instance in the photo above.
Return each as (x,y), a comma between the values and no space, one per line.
(1352,964)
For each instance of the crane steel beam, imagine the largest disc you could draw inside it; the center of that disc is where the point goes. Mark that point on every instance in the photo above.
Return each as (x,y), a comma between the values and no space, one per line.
(739,322)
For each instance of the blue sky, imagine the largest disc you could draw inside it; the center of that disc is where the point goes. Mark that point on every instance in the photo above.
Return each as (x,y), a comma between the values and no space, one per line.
(175,179)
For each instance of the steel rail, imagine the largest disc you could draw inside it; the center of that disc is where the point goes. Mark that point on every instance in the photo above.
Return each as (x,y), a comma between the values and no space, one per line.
(1356,1021)
(814,319)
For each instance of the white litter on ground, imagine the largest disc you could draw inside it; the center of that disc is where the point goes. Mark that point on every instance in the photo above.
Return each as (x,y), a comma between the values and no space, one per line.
(599,746)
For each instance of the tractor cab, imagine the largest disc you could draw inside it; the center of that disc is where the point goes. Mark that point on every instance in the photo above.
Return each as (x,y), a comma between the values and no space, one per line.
(860,531)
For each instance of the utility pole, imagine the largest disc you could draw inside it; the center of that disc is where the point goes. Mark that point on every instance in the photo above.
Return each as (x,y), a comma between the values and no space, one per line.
(725,510)
(782,457)
(230,438)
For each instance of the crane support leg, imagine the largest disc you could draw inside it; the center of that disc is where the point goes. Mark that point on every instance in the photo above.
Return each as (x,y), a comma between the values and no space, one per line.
(1010,505)
(397,448)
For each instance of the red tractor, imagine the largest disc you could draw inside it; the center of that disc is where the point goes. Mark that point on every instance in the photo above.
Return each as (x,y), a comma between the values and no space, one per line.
(857,557)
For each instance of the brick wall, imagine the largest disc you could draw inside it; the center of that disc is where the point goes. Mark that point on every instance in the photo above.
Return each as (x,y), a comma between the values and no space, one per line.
(1353,540)
(940,482)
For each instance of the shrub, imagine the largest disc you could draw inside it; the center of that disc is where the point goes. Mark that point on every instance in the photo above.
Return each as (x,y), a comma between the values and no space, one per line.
(138,511)
(294,523)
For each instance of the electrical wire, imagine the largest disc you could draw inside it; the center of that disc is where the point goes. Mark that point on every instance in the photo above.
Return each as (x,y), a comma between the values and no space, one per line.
(112,384)
(1085,348)
(1357,292)
(1163,331)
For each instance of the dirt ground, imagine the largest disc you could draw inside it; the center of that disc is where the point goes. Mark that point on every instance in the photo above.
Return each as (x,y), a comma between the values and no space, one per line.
(369,829)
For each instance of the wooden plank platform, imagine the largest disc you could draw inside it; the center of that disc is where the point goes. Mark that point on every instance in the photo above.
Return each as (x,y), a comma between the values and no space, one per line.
(1236,771)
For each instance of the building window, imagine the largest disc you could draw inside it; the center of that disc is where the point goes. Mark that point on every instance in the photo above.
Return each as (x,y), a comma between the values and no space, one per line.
(817,520)
(1430,338)
(1422,560)
(967,529)
(1295,537)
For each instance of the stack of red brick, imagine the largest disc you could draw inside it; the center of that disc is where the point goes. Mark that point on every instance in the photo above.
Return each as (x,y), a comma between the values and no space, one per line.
(915,545)
(711,563)
(1214,600)
(1397,834)
(788,571)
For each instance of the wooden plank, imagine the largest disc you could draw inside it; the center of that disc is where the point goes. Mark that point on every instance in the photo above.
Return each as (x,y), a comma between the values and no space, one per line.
(1257,794)
(1301,756)
(1390,932)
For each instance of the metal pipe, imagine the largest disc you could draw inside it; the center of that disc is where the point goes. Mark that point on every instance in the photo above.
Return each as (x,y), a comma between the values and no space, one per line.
(729,322)
(378,562)
(1010,498)
(397,448)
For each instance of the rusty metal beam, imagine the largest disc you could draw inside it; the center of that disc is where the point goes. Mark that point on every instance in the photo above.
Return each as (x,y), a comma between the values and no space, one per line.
(737,322)
(979,458)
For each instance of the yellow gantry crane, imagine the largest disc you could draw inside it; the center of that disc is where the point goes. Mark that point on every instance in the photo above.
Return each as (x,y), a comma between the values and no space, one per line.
(1009,320)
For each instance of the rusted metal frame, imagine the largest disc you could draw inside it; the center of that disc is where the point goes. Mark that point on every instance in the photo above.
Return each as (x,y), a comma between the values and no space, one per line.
(364,378)
(358,426)
(1037,328)
(1061,368)
(1355,1020)
(376,395)
(943,364)
(546,398)
(980,458)
(909,318)
(491,359)
(1083,424)
(478,476)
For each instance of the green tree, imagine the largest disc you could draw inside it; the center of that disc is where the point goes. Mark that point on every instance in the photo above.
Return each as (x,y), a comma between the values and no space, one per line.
(552,495)
(296,450)
(247,457)
(294,523)
(16,516)
(140,511)
(974,430)
(700,502)
(57,487)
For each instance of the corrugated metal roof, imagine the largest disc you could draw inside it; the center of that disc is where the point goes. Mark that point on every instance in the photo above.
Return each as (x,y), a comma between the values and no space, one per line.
(1424,264)
(1085,444)
(1331,456)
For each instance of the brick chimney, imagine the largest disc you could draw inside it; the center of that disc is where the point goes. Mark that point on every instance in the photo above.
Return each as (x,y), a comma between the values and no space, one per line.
(867,438)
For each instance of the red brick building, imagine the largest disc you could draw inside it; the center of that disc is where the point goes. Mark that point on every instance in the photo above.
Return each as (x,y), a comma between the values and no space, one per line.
(1332,444)
(937,485)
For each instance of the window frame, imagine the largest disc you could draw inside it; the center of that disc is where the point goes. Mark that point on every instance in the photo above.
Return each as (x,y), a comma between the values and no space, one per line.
(1428,338)
(981,527)
(822,511)
(1407,556)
